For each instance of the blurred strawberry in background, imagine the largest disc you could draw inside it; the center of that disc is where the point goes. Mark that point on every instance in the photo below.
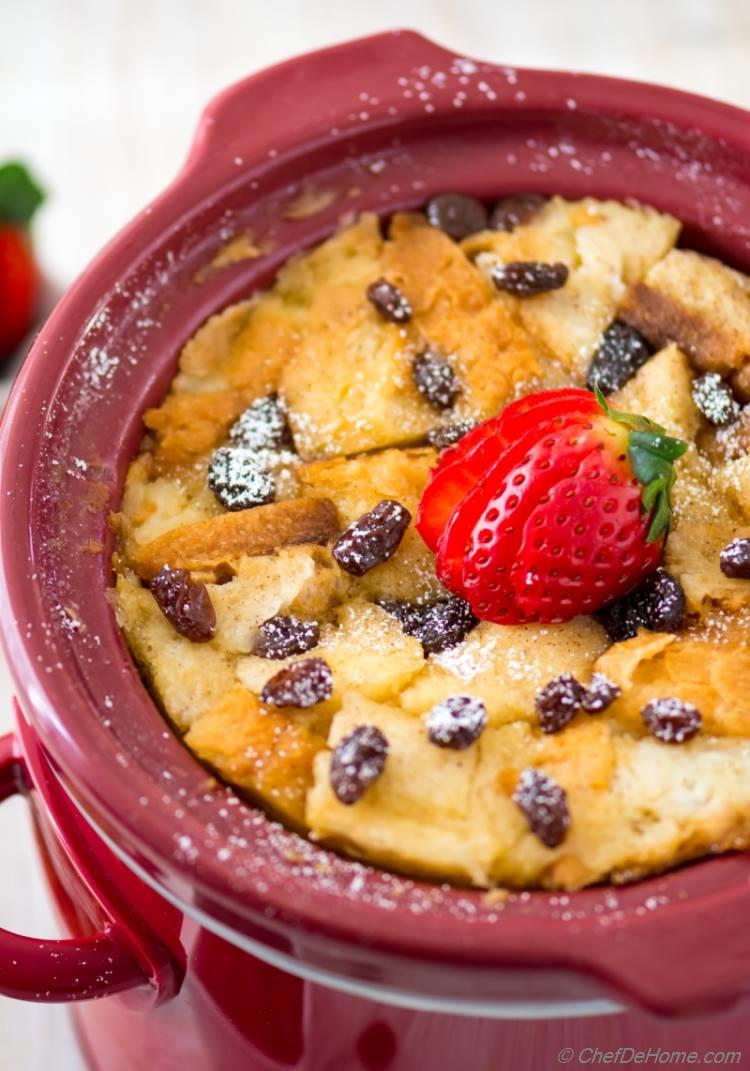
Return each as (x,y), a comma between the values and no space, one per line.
(20,196)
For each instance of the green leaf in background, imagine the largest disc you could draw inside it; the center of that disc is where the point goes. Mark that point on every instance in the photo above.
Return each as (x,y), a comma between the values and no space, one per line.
(20,196)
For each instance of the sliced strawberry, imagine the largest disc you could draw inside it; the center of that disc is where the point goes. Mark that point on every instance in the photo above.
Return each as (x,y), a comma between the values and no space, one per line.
(453,541)
(19,278)
(590,537)
(491,575)
(463,465)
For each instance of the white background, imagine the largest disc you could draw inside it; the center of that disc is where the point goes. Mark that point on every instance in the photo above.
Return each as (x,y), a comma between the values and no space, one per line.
(101,99)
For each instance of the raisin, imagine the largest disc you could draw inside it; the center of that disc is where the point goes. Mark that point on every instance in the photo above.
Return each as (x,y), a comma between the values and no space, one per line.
(238,480)
(447,434)
(672,720)
(619,355)
(558,702)
(456,722)
(283,636)
(372,539)
(544,805)
(658,604)
(303,684)
(437,626)
(524,278)
(511,212)
(600,694)
(714,398)
(435,379)
(263,425)
(389,302)
(457,215)
(185,603)
(357,761)
(734,559)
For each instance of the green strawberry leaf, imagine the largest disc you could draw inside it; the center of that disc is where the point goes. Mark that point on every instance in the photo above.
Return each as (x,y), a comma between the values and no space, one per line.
(20,196)
(652,455)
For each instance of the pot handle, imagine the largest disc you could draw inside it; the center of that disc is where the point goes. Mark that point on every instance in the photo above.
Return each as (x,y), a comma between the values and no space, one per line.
(59,971)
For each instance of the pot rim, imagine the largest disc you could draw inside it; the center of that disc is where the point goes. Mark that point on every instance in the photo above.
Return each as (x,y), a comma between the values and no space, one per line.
(461,927)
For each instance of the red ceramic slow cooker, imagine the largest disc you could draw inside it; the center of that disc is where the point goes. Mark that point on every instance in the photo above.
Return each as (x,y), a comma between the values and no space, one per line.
(201,934)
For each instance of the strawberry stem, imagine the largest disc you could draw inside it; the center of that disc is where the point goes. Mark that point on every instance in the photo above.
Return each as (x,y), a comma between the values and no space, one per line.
(652,455)
(20,196)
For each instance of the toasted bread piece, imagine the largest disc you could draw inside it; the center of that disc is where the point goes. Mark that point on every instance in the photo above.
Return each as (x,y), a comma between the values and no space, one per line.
(348,385)
(418,815)
(700,304)
(494,359)
(714,677)
(188,426)
(661,391)
(365,647)
(297,580)
(607,246)
(356,485)
(523,657)
(263,751)
(187,678)
(637,805)
(220,542)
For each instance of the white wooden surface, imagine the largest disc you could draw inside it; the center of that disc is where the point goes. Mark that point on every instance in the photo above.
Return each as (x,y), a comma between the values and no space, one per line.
(101,96)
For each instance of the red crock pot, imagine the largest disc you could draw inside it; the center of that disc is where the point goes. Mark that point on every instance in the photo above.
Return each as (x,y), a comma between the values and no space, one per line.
(220,939)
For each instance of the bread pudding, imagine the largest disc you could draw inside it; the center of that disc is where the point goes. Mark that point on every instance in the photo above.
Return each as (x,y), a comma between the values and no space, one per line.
(439,550)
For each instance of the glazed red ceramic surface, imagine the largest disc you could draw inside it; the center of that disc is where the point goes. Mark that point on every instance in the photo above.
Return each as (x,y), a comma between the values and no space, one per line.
(382,124)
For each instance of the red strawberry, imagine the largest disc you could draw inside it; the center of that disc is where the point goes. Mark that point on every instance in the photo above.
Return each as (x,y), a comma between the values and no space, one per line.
(462,465)
(568,511)
(19,278)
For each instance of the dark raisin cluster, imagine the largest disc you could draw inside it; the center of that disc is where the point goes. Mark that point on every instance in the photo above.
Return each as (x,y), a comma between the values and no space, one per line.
(185,603)
(620,353)
(438,625)
(544,805)
(525,278)
(302,684)
(357,761)
(658,604)
(372,539)
(456,722)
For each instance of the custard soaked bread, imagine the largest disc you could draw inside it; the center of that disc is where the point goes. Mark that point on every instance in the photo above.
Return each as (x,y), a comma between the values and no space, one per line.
(393,570)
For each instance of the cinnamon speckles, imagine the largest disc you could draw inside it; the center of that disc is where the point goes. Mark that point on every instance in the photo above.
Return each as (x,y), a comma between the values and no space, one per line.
(672,720)
(302,684)
(284,635)
(357,762)
(388,300)
(372,539)
(435,379)
(734,560)
(185,603)
(526,278)
(457,214)
(456,722)
(558,702)
(544,805)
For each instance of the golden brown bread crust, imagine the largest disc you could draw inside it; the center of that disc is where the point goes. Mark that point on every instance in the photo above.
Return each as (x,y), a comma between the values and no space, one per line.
(218,543)
(701,305)
(359,424)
